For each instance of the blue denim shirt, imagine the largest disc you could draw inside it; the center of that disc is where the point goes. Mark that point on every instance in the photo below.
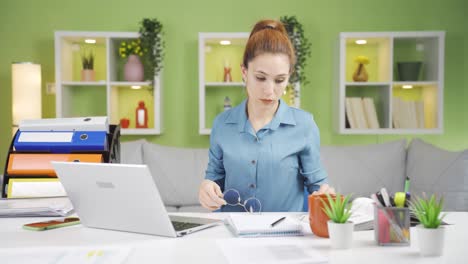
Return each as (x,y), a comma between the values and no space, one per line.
(273,164)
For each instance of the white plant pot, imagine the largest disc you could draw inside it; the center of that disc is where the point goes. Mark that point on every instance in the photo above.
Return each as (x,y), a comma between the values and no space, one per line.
(341,235)
(431,240)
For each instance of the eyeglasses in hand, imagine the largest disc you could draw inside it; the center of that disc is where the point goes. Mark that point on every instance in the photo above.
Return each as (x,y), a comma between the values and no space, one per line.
(251,205)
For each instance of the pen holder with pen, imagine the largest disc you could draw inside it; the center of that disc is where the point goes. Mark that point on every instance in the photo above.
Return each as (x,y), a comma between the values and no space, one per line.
(392,226)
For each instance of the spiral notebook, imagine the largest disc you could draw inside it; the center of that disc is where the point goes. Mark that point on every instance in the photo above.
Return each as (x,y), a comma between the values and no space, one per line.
(259,225)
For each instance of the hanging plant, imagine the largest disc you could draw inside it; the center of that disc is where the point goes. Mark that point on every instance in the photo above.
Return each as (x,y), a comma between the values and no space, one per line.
(151,40)
(301,48)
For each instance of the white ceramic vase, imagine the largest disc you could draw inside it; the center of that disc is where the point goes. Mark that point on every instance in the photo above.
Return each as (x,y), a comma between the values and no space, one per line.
(341,235)
(431,240)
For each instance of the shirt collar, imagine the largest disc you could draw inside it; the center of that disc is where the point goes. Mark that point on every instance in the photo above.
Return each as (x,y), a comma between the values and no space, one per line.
(238,116)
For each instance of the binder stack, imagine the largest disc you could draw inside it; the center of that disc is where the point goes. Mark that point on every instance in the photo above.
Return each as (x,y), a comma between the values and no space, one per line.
(29,172)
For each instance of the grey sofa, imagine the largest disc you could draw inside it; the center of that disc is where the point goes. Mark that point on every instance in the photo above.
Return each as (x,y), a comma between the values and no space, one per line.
(359,170)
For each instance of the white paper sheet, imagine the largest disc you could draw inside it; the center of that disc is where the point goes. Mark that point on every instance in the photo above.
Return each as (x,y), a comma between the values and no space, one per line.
(64,255)
(268,250)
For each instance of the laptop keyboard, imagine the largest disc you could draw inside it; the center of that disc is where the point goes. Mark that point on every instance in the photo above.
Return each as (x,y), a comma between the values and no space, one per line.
(179,226)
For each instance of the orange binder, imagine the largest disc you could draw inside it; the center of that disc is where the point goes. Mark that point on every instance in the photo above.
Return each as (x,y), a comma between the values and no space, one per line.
(39,164)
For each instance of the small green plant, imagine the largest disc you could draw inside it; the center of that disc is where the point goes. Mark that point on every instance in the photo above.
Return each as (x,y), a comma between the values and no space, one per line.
(337,209)
(87,60)
(427,210)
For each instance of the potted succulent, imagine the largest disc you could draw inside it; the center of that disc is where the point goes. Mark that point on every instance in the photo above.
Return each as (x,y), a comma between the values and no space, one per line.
(338,209)
(87,61)
(430,232)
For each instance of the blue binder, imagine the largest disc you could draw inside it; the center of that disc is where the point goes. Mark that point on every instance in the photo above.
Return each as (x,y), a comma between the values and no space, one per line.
(60,141)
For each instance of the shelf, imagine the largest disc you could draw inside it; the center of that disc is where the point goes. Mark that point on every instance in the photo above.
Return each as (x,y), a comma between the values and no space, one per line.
(388,131)
(367,83)
(139,131)
(110,95)
(82,83)
(213,58)
(405,102)
(130,83)
(228,84)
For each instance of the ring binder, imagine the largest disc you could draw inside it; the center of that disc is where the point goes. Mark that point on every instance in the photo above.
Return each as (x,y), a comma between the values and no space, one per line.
(109,154)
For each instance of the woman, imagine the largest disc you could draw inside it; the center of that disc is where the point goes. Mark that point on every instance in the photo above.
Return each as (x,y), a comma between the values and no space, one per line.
(263,148)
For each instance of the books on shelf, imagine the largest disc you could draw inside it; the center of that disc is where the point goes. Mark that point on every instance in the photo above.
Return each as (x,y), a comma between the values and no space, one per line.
(371,113)
(361,113)
(408,114)
(259,225)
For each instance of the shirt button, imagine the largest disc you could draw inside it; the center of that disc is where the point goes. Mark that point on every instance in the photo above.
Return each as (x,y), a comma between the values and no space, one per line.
(253,162)
(252,185)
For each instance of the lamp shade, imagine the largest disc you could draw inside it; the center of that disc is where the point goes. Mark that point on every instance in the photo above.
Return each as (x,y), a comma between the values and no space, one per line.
(26,91)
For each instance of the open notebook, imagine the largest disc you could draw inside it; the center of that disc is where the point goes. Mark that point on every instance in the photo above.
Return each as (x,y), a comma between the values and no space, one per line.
(257,225)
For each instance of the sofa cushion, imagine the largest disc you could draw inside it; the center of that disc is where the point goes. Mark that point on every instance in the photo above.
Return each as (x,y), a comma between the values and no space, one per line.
(362,170)
(131,152)
(434,170)
(178,172)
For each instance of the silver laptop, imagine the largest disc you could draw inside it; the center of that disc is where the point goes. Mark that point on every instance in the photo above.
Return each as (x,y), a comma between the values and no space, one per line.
(122,197)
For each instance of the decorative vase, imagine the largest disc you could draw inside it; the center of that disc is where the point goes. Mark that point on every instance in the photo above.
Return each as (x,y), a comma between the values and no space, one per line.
(409,71)
(360,75)
(431,240)
(341,235)
(133,69)
(124,122)
(87,75)
(141,115)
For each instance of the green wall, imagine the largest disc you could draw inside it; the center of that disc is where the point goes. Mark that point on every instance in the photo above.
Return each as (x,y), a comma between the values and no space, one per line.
(27,33)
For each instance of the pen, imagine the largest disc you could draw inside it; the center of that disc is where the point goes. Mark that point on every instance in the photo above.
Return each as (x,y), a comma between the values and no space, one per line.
(278,221)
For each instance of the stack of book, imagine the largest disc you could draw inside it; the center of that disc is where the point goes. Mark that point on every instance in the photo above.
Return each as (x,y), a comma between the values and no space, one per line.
(408,114)
(361,113)
(29,172)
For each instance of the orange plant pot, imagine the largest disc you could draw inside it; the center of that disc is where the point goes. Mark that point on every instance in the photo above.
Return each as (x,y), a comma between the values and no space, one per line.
(317,217)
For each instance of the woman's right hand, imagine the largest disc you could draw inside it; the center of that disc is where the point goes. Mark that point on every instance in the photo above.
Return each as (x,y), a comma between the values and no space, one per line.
(210,195)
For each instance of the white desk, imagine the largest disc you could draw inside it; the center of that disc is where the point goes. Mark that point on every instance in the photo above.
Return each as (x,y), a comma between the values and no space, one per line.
(201,247)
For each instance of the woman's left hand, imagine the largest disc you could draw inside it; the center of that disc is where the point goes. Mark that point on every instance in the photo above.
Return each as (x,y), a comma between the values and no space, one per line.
(324,188)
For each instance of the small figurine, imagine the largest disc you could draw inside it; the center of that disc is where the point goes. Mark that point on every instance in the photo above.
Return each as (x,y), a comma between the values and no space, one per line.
(227,103)
(227,72)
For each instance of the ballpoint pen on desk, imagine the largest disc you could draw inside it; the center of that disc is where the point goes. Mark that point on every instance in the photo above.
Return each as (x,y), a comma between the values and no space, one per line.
(278,221)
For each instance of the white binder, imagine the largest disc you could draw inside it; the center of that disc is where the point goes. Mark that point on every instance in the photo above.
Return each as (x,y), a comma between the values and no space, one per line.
(94,123)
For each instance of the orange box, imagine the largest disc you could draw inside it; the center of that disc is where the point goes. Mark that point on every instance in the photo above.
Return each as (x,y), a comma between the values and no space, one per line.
(39,164)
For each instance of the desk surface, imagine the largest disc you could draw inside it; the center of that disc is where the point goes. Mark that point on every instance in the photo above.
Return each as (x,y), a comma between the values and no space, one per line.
(201,247)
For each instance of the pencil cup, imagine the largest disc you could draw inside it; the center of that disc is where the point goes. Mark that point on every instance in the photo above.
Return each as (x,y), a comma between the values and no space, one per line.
(392,226)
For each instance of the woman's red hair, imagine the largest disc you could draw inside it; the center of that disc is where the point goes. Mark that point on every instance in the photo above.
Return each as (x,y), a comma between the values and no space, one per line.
(268,36)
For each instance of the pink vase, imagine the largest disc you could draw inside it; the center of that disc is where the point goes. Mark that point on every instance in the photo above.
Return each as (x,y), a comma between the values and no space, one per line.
(133,69)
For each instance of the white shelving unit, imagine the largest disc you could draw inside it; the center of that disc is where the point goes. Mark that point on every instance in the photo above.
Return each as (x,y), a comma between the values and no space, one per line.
(385,50)
(109,95)
(212,56)
(211,60)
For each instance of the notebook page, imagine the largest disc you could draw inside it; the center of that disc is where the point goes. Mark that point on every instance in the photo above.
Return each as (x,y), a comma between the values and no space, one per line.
(261,223)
